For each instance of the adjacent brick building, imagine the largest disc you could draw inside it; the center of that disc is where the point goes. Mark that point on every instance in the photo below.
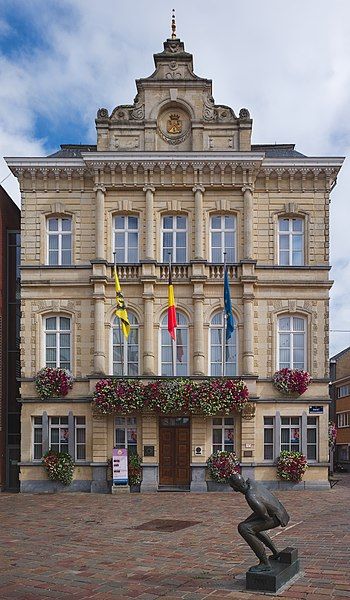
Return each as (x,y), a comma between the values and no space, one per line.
(9,342)
(174,172)
(340,409)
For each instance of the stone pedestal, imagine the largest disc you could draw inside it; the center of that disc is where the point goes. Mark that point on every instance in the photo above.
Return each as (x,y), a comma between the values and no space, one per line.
(120,489)
(283,569)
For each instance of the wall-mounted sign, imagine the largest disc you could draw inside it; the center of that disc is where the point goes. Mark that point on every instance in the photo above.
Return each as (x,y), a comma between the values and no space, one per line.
(120,466)
(316,409)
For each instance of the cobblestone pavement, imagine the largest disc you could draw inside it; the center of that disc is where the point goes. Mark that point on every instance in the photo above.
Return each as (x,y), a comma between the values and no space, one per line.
(86,546)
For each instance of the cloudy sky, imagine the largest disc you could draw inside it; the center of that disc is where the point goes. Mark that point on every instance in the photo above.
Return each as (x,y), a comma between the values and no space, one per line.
(288,62)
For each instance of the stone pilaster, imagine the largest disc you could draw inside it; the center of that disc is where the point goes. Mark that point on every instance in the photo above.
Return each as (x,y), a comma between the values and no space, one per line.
(99,224)
(198,336)
(149,223)
(248,221)
(198,191)
(149,367)
(99,334)
(248,334)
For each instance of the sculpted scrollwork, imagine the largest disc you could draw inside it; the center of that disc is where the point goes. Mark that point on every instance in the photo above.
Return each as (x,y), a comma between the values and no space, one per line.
(102,113)
(212,112)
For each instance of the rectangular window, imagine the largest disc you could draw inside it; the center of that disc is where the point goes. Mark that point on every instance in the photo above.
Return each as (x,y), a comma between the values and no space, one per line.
(223,434)
(343,390)
(343,419)
(312,438)
(126,433)
(343,452)
(37,438)
(290,434)
(58,434)
(59,241)
(80,438)
(126,239)
(291,241)
(223,238)
(174,239)
(57,342)
(291,342)
(269,438)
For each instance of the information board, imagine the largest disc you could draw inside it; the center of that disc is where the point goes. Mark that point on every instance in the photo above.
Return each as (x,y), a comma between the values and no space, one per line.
(120,466)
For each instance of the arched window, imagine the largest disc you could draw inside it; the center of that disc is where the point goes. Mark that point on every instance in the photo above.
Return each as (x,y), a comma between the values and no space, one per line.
(223,238)
(57,331)
(174,239)
(217,353)
(126,238)
(125,352)
(291,344)
(59,241)
(291,241)
(181,346)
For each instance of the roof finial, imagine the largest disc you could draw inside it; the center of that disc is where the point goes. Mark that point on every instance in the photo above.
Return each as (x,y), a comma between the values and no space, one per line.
(173,25)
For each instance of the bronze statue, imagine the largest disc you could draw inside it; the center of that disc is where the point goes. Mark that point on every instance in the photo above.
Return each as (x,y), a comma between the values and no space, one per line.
(268,513)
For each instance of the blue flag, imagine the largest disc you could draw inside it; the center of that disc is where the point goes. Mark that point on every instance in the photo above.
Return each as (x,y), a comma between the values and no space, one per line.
(228,307)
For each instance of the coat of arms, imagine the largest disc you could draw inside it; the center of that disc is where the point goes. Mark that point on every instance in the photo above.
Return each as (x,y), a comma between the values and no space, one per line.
(174,124)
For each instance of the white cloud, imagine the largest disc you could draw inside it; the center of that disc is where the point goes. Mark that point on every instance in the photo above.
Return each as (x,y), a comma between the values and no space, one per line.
(287,62)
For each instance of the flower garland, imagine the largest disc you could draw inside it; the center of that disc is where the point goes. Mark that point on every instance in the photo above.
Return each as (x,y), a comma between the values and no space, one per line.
(117,396)
(291,381)
(221,465)
(53,381)
(59,466)
(184,396)
(332,434)
(291,466)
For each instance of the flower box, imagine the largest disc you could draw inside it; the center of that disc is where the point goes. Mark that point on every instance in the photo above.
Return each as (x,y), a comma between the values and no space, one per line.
(53,382)
(292,382)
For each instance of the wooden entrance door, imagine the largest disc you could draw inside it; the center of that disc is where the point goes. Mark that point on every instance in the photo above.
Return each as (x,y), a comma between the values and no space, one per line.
(174,451)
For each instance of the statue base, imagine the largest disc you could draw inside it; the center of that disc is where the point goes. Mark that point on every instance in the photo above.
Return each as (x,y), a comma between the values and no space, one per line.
(283,570)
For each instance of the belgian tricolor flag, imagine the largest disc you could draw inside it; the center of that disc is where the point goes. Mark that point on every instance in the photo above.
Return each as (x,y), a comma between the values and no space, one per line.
(171,307)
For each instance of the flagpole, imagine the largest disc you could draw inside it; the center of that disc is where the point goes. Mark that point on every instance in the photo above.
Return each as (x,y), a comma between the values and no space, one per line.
(173,341)
(121,345)
(223,354)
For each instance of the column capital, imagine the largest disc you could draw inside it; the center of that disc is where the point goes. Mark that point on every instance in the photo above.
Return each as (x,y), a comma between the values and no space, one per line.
(248,188)
(99,187)
(198,188)
(149,188)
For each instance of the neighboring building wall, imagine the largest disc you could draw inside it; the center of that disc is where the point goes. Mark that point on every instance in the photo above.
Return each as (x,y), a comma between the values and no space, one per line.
(9,350)
(340,395)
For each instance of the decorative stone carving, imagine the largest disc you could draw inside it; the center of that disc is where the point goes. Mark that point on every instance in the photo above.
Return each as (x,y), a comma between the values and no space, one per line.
(102,113)
(244,114)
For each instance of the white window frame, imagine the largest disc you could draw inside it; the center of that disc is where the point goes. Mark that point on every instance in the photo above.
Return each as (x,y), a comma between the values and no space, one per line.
(134,326)
(343,390)
(57,332)
(223,426)
(291,333)
(81,427)
(125,231)
(233,346)
(343,419)
(185,333)
(222,231)
(37,426)
(60,233)
(174,231)
(289,427)
(126,423)
(60,426)
(290,234)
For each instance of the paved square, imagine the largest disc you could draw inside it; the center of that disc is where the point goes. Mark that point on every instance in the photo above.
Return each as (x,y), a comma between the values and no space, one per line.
(87,546)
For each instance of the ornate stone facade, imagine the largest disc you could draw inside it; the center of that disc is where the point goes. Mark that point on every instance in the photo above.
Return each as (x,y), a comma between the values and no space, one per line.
(175,152)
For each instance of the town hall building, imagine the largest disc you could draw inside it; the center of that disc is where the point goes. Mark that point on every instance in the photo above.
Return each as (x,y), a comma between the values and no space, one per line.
(174,174)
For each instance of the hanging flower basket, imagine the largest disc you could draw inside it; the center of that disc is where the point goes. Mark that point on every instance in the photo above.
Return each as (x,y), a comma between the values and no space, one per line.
(59,466)
(53,382)
(332,434)
(122,396)
(181,396)
(291,381)
(221,465)
(291,466)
